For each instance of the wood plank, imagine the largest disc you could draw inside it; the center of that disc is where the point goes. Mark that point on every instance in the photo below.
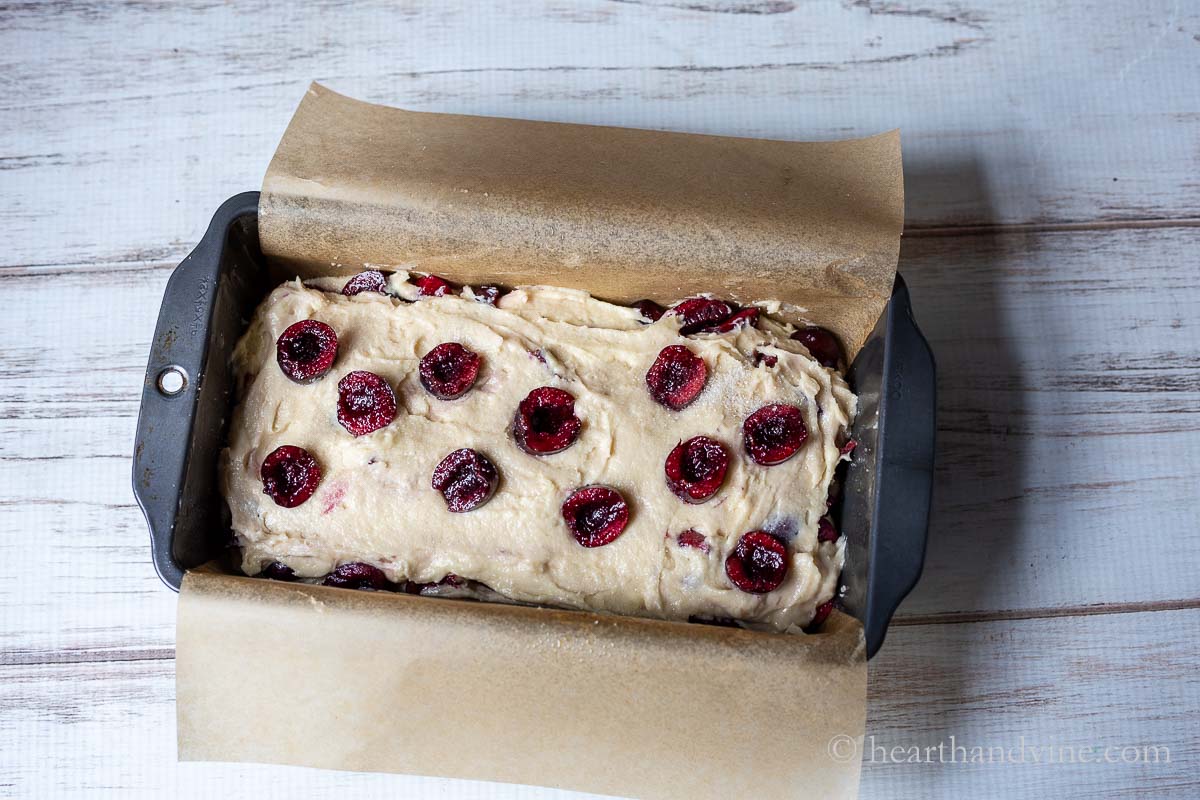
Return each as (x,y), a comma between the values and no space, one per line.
(1068,455)
(1087,682)
(1069,418)
(78,728)
(125,125)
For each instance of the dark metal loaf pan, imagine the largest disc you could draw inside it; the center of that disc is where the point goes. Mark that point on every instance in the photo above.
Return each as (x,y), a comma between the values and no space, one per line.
(211,296)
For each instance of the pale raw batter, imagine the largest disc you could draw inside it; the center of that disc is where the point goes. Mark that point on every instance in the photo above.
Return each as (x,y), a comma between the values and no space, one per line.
(375,503)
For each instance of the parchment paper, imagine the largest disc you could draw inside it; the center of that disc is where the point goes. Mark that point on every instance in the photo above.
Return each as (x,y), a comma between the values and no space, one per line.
(622,213)
(306,675)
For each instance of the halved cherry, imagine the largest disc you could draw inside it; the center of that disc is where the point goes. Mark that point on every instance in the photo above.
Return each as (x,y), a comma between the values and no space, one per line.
(432,286)
(676,377)
(487,294)
(357,576)
(290,475)
(822,344)
(747,316)
(696,469)
(650,309)
(758,563)
(306,350)
(278,571)
(701,314)
(366,402)
(466,480)
(825,530)
(774,433)
(449,370)
(545,421)
(371,280)
(595,515)
(822,613)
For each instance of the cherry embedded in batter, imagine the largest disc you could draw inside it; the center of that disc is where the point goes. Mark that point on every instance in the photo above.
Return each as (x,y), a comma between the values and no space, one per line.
(432,286)
(451,580)
(290,475)
(371,280)
(488,294)
(366,402)
(466,480)
(278,571)
(822,614)
(825,530)
(743,318)
(693,538)
(650,309)
(774,433)
(595,515)
(765,359)
(545,421)
(676,377)
(357,576)
(306,350)
(758,563)
(702,314)
(696,469)
(822,344)
(449,370)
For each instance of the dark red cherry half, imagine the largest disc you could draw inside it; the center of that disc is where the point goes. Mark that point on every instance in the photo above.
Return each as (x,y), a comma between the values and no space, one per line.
(696,469)
(758,563)
(432,286)
(366,402)
(823,346)
(357,576)
(290,475)
(650,309)
(822,614)
(488,294)
(595,515)
(774,433)
(278,571)
(545,421)
(306,350)
(676,377)
(466,480)
(449,370)
(701,314)
(743,318)
(371,280)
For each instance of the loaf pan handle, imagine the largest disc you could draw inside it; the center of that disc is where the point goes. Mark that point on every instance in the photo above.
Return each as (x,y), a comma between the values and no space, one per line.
(904,480)
(174,379)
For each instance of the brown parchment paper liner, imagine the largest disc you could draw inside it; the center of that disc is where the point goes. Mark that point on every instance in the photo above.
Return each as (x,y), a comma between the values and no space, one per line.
(622,213)
(306,675)
(319,677)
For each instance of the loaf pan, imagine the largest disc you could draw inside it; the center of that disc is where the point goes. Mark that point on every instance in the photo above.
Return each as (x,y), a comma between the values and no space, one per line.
(189,393)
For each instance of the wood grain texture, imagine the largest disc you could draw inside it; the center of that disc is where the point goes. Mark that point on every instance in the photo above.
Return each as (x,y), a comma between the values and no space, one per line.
(1100,682)
(1059,602)
(124,125)
(1068,455)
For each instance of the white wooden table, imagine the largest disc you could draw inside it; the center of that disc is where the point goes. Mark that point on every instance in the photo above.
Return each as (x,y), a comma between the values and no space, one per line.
(1052,152)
